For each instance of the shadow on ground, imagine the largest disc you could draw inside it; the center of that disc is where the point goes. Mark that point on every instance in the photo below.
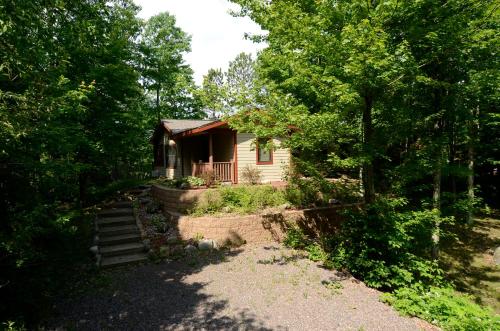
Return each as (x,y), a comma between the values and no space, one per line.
(469,261)
(155,297)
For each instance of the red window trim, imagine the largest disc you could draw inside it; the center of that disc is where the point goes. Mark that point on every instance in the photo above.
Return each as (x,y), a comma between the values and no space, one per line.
(257,156)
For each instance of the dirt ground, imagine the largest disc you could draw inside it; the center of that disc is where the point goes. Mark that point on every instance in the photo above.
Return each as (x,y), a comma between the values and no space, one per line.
(264,287)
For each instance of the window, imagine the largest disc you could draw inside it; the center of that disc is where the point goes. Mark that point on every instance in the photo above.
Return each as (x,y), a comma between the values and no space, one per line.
(264,152)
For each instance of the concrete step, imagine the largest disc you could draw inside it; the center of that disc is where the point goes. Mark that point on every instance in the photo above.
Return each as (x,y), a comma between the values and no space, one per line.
(118,230)
(119,239)
(122,249)
(114,261)
(121,204)
(115,221)
(116,212)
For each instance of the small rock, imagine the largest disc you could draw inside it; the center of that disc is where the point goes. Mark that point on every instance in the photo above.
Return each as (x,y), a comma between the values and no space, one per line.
(184,186)
(286,206)
(207,244)
(94,249)
(226,209)
(333,201)
(496,256)
(190,249)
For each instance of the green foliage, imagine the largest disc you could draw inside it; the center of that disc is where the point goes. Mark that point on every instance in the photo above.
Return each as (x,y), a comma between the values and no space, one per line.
(195,181)
(295,238)
(387,247)
(13,326)
(153,207)
(315,252)
(241,200)
(444,307)
(185,182)
(74,128)
(159,222)
(225,93)
(302,192)
(167,80)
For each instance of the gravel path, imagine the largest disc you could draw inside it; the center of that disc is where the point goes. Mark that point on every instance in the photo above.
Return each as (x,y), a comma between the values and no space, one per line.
(253,288)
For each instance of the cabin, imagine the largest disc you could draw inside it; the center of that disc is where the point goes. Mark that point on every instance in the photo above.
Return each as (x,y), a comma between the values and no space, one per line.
(191,147)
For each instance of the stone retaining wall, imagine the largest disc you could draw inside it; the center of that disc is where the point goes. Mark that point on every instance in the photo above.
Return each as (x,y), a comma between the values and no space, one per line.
(244,228)
(176,199)
(263,228)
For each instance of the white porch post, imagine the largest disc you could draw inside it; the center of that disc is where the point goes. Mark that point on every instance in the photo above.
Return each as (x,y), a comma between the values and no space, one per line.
(210,152)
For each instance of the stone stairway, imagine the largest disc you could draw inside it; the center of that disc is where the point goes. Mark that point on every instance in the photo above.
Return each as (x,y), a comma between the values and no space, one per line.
(119,240)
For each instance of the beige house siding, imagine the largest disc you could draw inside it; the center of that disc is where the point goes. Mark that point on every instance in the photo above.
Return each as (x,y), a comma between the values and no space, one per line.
(247,155)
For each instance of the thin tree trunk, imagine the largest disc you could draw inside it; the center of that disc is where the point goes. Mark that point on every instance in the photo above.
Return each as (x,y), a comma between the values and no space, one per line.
(470,166)
(470,183)
(368,172)
(453,178)
(82,186)
(158,103)
(436,204)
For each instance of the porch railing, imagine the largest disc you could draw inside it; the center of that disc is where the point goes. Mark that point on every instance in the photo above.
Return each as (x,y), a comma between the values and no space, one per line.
(223,171)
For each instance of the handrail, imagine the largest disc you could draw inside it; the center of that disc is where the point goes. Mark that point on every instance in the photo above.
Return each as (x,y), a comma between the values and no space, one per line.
(223,171)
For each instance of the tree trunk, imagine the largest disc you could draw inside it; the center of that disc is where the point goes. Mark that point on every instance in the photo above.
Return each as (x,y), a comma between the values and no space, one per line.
(82,185)
(158,103)
(436,202)
(368,172)
(470,183)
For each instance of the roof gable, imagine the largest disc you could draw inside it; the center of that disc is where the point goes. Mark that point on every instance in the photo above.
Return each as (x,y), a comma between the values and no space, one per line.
(179,126)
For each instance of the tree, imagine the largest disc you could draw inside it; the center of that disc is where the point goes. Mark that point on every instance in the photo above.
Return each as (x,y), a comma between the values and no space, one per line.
(213,93)
(343,67)
(163,45)
(227,93)
(70,124)
(241,81)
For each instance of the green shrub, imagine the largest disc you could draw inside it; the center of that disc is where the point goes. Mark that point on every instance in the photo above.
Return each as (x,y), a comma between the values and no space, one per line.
(316,253)
(444,307)
(387,247)
(295,238)
(159,222)
(303,193)
(210,202)
(251,175)
(241,200)
(194,181)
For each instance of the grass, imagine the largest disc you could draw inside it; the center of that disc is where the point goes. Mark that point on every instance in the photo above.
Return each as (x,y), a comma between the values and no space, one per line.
(470,265)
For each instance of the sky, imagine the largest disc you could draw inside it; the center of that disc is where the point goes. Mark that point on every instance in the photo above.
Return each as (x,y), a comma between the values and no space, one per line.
(216,36)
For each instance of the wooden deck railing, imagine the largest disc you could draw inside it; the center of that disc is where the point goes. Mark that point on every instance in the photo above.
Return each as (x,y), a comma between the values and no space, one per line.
(223,171)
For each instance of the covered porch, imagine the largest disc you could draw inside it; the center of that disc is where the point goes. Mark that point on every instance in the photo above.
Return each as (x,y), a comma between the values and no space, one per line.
(195,147)
(212,151)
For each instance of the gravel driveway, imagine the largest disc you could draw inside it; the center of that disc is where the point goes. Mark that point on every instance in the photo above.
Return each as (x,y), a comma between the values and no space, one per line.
(252,288)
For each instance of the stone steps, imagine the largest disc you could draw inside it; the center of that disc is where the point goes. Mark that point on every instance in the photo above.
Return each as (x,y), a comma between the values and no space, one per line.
(110,231)
(121,204)
(119,240)
(114,261)
(115,221)
(114,212)
(121,249)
